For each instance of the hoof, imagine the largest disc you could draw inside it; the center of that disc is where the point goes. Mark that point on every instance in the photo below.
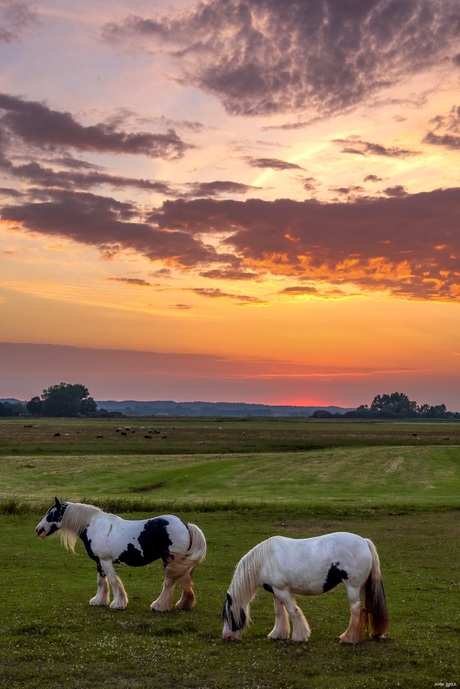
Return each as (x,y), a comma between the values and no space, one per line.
(159,608)
(118,606)
(99,603)
(346,642)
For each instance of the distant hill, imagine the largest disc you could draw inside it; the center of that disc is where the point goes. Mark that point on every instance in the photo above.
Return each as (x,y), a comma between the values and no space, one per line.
(171,408)
(230,409)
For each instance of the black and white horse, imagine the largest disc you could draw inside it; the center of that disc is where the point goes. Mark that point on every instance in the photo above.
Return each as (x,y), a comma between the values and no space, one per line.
(309,566)
(110,540)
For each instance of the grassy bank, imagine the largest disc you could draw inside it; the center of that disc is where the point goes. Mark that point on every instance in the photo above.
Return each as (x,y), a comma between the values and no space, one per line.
(388,477)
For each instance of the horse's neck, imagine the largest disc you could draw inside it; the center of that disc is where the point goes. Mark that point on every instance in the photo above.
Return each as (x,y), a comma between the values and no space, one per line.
(77,516)
(247,577)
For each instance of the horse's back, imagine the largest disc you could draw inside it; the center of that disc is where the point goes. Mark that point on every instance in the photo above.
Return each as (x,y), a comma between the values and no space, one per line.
(138,542)
(311,566)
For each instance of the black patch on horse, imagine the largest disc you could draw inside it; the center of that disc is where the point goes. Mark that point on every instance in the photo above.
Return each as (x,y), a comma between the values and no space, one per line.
(152,544)
(87,544)
(267,587)
(334,577)
(229,617)
(54,516)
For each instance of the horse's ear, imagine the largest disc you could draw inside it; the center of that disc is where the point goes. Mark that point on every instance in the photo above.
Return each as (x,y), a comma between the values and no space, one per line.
(56,502)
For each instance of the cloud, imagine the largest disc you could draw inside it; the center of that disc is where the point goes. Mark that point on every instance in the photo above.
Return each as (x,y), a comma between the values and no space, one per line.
(358,147)
(402,244)
(131,281)
(372,178)
(15,17)
(182,307)
(217,188)
(309,290)
(446,131)
(273,164)
(397,190)
(109,225)
(310,184)
(406,245)
(36,173)
(296,56)
(350,191)
(216,293)
(238,273)
(35,124)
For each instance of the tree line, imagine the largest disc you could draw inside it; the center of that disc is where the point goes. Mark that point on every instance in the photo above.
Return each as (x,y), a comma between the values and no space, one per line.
(61,400)
(74,400)
(396,405)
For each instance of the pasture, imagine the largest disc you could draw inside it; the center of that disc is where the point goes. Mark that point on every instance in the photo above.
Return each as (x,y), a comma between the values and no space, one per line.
(354,477)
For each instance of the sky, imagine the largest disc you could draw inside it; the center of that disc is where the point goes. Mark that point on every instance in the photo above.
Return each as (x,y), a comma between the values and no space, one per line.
(231,200)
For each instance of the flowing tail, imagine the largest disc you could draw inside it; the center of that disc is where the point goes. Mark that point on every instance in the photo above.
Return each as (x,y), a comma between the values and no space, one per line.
(375,607)
(181,563)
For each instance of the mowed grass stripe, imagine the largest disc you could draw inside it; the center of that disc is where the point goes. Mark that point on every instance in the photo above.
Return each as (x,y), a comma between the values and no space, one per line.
(377,476)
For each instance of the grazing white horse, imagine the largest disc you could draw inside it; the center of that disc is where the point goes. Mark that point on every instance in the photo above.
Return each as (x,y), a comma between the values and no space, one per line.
(110,540)
(310,566)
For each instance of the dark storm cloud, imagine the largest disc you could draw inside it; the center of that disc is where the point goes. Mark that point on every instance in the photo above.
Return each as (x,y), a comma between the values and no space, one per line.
(34,124)
(322,56)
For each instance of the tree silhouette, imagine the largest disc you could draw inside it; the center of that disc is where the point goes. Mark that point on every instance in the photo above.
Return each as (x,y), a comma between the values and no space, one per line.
(66,399)
(34,406)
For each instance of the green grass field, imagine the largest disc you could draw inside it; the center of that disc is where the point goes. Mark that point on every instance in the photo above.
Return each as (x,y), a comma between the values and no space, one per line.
(404,496)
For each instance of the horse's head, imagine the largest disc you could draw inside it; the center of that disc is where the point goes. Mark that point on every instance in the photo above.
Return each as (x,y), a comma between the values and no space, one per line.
(51,522)
(233,628)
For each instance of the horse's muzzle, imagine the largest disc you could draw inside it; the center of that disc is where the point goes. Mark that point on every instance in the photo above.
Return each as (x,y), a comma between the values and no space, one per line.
(40,532)
(229,636)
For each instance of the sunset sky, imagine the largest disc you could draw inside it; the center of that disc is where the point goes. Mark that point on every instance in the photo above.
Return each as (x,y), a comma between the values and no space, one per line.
(231,200)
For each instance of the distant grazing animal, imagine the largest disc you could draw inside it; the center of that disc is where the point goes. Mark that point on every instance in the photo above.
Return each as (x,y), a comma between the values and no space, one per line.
(110,540)
(309,566)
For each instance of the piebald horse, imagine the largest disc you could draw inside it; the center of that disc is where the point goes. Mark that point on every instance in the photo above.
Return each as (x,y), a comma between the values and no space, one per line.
(111,540)
(310,566)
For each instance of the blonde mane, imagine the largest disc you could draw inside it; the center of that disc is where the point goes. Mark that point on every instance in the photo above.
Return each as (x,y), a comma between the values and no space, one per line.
(247,576)
(76,517)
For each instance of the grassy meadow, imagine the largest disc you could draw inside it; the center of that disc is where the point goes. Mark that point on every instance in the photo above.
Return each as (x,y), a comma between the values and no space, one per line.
(240,481)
